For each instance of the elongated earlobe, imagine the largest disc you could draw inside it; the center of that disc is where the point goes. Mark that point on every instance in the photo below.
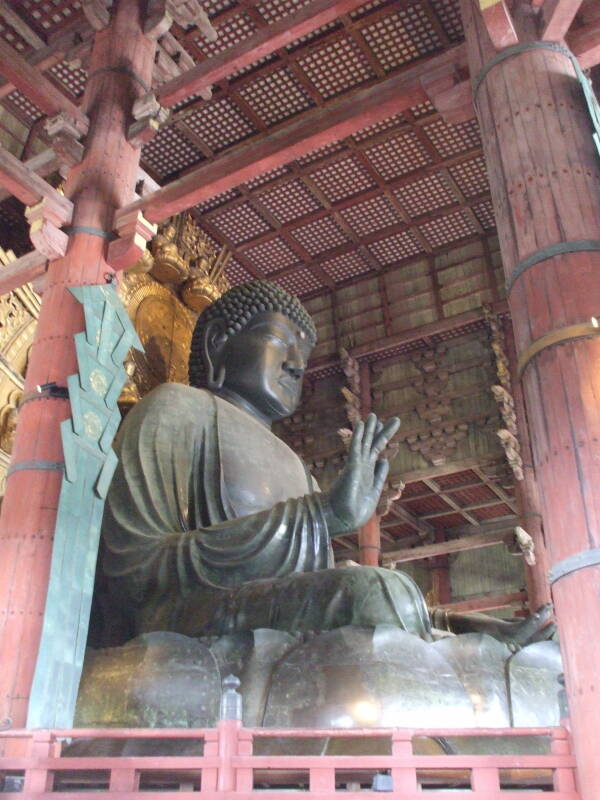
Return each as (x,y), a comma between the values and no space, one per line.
(213,339)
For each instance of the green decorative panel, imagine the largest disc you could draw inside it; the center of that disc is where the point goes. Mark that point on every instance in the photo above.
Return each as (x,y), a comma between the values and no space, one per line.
(89,465)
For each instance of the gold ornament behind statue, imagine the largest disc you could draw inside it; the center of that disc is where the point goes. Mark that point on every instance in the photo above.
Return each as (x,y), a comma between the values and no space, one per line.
(180,274)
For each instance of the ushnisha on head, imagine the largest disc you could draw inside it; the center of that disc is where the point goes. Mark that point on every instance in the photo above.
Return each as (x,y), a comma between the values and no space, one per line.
(251,347)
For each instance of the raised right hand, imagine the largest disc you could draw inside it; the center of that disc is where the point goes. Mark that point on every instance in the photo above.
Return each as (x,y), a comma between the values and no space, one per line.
(353,498)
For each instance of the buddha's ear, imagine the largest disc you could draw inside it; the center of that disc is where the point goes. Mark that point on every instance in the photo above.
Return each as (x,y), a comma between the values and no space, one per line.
(214,338)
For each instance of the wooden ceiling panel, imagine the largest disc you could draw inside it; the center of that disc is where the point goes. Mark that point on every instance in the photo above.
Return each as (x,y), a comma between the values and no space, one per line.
(170,152)
(22,108)
(448,13)
(220,124)
(240,223)
(344,267)
(336,67)
(300,282)
(320,235)
(471,177)
(276,96)
(69,77)
(289,201)
(398,155)
(401,37)
(451,140)
(425,195)
(344,178)
(395,248)
(271,256)
(444,230)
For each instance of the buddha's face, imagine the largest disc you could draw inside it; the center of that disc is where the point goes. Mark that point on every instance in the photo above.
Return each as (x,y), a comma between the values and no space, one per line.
(264,364)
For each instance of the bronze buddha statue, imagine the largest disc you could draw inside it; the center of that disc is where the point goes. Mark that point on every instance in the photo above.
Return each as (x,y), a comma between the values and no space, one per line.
(212,523)
(216,557)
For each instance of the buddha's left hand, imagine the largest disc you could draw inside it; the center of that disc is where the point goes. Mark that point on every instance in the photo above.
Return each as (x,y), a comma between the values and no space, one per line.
(353,498)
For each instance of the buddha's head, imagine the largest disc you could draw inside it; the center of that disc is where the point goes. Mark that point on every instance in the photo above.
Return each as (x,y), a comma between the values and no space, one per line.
(251,346)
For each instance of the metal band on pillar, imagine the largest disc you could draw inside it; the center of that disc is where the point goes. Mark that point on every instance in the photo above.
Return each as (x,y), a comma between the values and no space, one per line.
(30,465)
(546,253)
(590,97)
(583,330)
(587,558)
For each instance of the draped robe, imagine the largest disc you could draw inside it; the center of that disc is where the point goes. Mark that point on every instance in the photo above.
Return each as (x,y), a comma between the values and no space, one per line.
(212,525)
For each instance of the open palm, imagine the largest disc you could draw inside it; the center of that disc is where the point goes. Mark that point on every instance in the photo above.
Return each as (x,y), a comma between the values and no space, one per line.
(354,496)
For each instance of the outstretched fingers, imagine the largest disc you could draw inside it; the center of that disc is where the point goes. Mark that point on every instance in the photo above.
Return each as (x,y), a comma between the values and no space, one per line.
(383,437)
(357,440)
(370,428)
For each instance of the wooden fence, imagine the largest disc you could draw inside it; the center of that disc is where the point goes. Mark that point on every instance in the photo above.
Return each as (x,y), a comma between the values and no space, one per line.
(228,765)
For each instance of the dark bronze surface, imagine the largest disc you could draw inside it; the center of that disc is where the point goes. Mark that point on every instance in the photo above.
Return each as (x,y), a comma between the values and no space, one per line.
(214,529)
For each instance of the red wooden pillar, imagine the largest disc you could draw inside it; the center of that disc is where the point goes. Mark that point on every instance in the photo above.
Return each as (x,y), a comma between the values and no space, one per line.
(527,492)
(545,176)
(120,71)
(369,536)
(441,591)
(369,542)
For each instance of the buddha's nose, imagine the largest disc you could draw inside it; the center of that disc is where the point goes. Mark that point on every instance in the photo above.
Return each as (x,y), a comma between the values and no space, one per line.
(294,364)
(293,369)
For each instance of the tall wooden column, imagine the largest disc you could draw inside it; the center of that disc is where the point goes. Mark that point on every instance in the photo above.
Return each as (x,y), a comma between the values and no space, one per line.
(544,172)
(120,71)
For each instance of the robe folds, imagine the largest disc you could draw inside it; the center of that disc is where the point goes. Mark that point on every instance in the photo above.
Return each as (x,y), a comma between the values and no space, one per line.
(213,525)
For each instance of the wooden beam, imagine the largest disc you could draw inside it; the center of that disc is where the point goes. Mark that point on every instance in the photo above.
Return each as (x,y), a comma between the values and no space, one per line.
(23,270)
(498,22)
(24,184)
(37,88)
(402,514)
(264,42)
(18,24)
(443,548)
(335,121)
(71,40)
(585,44)
(556,17)
(413,334)
(485,603)
(42,164)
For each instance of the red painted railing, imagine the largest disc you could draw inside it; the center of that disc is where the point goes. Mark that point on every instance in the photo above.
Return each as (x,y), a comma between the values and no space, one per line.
(227,767)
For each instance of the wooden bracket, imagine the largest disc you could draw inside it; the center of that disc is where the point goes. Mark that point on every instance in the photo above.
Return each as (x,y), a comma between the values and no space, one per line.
(149,115)
(158,19)
(499,23)
(134,231)
(96,12)
(450,96)
(65,133)
(190,12)
(45,219)
(171,61)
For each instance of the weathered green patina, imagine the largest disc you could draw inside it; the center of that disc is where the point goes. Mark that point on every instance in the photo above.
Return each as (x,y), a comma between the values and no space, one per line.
(89,463)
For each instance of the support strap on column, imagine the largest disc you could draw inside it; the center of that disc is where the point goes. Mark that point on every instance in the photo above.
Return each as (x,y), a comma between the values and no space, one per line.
(559,336)
(517,49)
(587,558)
(553,250)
